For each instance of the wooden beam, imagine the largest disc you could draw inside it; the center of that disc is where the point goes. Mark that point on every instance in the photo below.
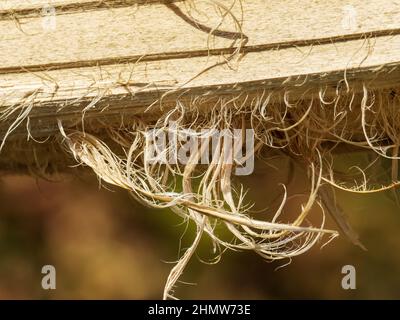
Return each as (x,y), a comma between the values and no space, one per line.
(158,31)
(123,59)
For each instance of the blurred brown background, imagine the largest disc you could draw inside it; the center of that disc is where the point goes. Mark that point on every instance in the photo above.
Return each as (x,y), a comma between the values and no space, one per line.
(105,245)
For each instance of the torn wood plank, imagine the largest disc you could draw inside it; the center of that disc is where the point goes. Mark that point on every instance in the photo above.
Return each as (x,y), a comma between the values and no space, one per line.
(84,81)
(137,86)
(172,30)
(125,59)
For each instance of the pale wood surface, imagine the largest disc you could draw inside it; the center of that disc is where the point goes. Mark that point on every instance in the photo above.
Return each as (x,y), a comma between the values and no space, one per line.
(106,35)
(126,54)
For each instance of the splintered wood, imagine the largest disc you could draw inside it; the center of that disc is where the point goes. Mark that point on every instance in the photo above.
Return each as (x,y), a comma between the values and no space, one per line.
(112,59)
(84,82)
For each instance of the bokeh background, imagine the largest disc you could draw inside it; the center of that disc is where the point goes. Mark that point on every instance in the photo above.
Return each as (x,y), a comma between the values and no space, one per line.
(105,245)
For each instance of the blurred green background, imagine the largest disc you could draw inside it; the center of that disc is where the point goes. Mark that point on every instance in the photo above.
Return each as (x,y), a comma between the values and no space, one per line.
(105,245)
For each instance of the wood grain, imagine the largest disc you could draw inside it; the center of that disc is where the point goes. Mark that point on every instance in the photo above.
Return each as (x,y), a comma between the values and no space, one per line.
(125,55)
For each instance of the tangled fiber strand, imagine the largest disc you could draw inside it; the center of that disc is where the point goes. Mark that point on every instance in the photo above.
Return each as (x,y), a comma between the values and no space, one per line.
(205,194)
(309,128)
